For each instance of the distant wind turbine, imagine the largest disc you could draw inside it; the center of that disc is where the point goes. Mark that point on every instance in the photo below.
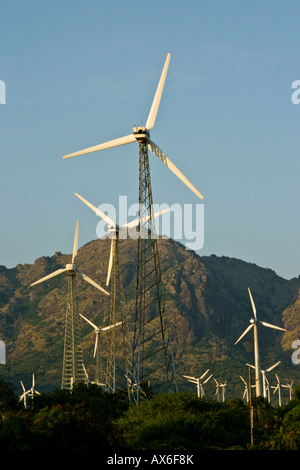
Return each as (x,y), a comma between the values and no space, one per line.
(277,388)
(30,393)
(290,387)
(220,387)
(254,324)
(73,371)
(198,381)
(266,388)
(96,348)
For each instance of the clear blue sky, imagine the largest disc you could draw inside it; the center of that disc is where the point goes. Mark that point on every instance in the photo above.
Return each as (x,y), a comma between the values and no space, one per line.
(78,73)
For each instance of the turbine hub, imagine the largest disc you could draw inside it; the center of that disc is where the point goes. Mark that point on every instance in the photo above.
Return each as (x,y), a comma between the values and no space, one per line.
(70,267)
(141,133)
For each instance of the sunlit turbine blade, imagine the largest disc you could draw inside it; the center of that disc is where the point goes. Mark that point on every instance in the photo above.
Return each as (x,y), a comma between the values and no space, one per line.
(96,345)
(252,303)
(162,156)
(89,321)
(154,108)
(127,139)
(105,217)
(272,326)
(90,281)
(273,367)
(245,332)
(206,380)
(55,273)
(189,377)
(109,327)
(250,365)
(23,386)
(110,262)
(204,374)
(33,381)
(75,246)
(135,222)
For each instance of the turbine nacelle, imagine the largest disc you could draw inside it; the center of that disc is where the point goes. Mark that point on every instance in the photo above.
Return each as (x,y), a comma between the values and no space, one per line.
(70,267)
(141,133)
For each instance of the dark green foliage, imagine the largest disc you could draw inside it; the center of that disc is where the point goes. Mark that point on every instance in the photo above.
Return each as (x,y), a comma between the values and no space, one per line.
(90,419)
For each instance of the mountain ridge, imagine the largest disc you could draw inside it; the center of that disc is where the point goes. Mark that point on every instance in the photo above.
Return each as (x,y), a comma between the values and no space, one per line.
(206,300)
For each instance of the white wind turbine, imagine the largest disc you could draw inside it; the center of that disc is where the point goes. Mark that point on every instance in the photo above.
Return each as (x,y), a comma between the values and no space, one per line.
(290,387)
(97,331)
(71,268)
(220,387)
(31,392)
(254,323)
(114,229)
(73,371)
(143,133)
(266,388)
(246,390)
(198,381)
(277,388)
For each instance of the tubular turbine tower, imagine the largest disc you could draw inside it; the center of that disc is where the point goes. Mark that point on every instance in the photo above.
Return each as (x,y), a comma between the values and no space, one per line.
(152,347)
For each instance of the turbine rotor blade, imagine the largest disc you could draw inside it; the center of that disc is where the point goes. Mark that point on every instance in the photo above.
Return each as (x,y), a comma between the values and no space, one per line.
(110,262)
(245,332)
(154,108)
(206,380)
(75,246)
(135,222)
(89,321)
(204,374)
(90,281)
(127,139)
(273,367)
(162,156)
(105,217)
(272,326)
(252,303)
(55,273)
(96,344)
(109,327)
(189,377)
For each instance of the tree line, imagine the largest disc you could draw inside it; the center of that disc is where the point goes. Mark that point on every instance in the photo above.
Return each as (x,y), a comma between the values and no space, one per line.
(89,418)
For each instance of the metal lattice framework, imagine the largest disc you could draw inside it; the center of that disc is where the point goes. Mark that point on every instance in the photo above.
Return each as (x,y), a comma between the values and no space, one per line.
(119,338)
(152,348)
(73,370)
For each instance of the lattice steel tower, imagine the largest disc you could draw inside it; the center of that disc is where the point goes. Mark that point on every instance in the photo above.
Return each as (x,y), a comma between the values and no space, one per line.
(119,342)
(152,349)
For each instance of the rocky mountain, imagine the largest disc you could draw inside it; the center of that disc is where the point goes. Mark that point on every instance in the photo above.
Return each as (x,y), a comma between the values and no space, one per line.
(206,300)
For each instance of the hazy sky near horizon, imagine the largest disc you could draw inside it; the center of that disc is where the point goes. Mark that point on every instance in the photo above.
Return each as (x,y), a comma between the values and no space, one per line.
(78,73)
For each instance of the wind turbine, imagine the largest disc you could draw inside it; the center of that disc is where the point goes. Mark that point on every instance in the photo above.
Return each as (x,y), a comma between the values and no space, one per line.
(117,294)
(266,388)
(254,324)
(148,317)
(246,391)
(142,134)
(31,392)
(198,381)
(290,387)
(97,331)
(220,387)
(73,371)
(277,388)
